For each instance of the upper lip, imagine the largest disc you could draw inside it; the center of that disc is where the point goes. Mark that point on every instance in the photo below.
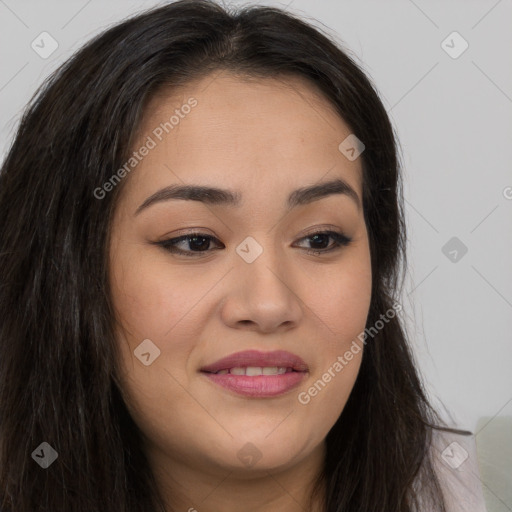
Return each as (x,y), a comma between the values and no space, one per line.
(279,358)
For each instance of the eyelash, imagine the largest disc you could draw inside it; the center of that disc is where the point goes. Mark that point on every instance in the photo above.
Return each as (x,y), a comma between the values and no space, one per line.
(340,240)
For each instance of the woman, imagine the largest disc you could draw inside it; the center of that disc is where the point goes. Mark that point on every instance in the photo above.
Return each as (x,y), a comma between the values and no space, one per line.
(202,230)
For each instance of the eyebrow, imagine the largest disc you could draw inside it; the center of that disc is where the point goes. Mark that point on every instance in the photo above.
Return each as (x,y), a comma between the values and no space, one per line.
(218,196)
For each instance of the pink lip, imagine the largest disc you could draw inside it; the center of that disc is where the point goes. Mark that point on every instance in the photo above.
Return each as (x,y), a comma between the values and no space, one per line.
(246,358)
(261,385)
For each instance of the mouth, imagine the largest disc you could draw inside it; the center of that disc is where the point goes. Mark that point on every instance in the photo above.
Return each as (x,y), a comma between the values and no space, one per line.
(251,361)
(258,374)
(254,371)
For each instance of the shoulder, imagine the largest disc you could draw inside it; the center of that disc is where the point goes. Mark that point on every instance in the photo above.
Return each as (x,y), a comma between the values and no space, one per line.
(455,461)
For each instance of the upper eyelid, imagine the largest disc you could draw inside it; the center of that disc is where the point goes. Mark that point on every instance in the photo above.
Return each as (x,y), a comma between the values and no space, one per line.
(315,230)
(323,231)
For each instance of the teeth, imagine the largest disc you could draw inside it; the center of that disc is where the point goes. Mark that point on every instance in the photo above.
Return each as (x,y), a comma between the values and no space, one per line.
(252,371)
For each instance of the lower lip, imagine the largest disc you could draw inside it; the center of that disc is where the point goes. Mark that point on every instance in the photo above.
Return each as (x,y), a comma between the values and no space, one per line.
(259,386)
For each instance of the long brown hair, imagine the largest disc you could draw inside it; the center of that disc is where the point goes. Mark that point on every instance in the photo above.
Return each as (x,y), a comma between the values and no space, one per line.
(58,359)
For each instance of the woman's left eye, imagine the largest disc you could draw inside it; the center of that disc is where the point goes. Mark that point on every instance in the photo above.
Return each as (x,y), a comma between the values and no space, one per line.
(199,243)
(339,240)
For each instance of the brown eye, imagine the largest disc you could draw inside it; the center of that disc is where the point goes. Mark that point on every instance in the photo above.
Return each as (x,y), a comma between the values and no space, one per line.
(321,238)
(196,243)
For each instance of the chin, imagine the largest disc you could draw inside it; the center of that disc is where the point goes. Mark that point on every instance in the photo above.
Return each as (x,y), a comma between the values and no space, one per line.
(268,451)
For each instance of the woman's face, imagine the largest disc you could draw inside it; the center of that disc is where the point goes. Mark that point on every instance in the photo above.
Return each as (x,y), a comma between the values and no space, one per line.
(251,286)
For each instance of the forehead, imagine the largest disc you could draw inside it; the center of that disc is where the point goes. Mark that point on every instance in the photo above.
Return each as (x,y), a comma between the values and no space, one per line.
(253,134)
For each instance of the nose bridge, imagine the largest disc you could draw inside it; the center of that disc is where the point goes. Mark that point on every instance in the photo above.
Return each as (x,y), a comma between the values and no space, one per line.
(262,258)
(262,292)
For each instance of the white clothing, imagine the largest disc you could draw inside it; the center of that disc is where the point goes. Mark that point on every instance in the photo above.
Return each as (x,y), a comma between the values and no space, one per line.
(456,463)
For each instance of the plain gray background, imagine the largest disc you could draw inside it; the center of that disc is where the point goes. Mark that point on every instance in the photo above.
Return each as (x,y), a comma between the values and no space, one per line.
(453,117)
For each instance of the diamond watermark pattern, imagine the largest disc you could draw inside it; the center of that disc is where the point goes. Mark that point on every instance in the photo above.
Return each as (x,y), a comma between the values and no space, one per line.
(249,249)
(147,352)
(454,45)
(249,455)
(351,147)
(45,455)
(454,455)
(44,45)
(454,249)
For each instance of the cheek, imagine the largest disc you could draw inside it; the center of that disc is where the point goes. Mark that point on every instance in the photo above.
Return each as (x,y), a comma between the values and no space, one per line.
(150,298)
(340,298)
(149,306)
(343,318)
(323,401)
(341,308)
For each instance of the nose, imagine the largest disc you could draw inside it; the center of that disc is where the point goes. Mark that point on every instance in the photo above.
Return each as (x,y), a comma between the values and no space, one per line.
(263,295)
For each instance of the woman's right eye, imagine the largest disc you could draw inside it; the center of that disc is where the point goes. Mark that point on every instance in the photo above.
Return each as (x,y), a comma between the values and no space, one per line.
(196,243)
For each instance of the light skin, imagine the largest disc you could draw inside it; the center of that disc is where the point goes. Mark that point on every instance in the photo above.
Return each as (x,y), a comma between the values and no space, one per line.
(264,139)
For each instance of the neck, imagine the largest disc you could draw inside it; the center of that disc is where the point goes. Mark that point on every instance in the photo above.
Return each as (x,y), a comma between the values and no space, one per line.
(187,487)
